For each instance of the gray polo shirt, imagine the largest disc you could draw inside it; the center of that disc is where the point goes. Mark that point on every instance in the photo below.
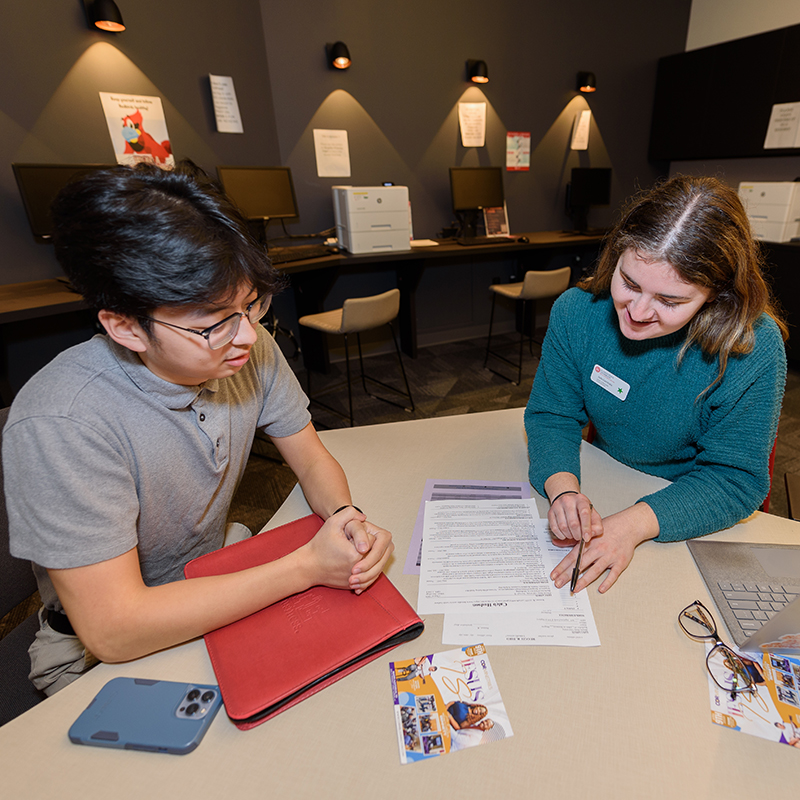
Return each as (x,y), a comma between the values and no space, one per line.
(100,456)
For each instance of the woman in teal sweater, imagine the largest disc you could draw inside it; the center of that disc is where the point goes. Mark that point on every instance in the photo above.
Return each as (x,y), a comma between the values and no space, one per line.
(674,351)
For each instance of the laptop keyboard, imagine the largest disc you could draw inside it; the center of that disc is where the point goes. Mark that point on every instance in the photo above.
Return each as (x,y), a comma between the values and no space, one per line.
(754,603)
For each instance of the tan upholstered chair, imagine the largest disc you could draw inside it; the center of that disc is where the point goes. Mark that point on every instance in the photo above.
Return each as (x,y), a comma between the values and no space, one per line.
(356,315)
(535,286)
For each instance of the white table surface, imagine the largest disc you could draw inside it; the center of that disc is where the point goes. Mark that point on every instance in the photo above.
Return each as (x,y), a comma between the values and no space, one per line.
(629,719)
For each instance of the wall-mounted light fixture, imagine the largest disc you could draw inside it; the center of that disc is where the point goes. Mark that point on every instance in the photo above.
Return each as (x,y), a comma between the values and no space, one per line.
(477,71)
(587,82)
(104,14)
(338,55)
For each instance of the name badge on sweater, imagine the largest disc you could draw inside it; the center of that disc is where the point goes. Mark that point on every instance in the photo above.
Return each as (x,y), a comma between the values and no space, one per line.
(610,382)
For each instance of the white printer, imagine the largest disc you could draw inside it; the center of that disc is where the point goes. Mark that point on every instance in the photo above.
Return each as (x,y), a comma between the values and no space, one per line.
(372,219)
(773,209)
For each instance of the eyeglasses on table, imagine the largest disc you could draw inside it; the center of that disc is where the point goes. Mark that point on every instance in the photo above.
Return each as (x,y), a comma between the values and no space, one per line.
(727,669)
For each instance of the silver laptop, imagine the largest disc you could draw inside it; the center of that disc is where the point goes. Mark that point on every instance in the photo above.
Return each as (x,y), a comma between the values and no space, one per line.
(756,588)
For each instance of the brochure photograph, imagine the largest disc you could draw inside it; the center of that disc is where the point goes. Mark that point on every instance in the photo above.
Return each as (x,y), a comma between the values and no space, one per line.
(445,702)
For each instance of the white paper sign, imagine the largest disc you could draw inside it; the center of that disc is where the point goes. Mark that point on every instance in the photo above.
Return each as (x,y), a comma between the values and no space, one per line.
(333,153)
(580,131)
(472,120)
(784,126)
(226,107)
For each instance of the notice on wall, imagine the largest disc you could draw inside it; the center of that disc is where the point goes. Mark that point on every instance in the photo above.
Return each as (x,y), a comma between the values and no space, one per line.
(472,121)
(333,153)
(580,131)
(137,128)
(226,106)
(784,126)
(518,151)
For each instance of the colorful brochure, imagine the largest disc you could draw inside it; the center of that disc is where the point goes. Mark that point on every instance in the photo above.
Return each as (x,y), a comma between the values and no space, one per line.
(773,712)
(445,702)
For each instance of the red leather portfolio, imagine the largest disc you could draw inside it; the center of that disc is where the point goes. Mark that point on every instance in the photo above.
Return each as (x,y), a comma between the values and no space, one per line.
(273,659)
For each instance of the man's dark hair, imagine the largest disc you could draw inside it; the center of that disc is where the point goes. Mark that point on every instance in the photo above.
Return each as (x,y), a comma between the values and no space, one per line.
(132,239)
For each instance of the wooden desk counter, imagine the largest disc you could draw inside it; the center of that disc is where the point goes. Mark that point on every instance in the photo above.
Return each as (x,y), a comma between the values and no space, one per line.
(34,299)
(313,279)
(629,719)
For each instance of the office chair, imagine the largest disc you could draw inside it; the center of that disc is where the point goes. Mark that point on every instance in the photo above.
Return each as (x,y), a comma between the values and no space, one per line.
(792,482)
(535,286)
(357,315)
(17,583)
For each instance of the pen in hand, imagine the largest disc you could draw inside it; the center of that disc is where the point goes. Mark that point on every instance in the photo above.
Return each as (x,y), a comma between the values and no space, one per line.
(576,572)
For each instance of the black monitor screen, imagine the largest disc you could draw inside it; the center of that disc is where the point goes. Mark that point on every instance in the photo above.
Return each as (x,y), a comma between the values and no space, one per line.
(260,192)
(38,186)
(590,186)
(476,187)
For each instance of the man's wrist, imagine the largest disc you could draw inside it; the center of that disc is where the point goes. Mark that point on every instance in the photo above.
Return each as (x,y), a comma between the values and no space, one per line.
(347,505)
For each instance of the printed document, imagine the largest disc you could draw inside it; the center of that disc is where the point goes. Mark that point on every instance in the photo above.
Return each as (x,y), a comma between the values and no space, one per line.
(486,565)
(445,702)
(442,489)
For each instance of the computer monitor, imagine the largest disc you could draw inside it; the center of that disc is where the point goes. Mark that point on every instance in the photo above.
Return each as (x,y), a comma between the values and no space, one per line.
(38,186)
(589,186)
(473,189)
(261,193)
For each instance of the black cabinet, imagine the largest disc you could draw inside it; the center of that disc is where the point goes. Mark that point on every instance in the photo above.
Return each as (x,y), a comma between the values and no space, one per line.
(783,262)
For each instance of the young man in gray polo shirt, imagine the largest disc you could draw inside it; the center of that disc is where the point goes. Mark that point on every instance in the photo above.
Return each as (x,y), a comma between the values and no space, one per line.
(122,455)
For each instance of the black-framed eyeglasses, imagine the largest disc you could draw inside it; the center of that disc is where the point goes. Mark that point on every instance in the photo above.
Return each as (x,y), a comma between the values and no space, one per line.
(726,668)
(224,331)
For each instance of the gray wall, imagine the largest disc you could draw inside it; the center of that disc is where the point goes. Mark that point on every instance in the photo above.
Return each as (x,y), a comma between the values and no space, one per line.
(54,67)
(399,99)
(398,103)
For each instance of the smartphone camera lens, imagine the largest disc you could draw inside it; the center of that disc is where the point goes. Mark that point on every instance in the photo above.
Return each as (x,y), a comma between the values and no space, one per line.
(208,696)
(192,709)
(193,695)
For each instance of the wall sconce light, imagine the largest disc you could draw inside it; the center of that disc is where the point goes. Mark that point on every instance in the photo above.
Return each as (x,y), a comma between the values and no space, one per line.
(338,55)
(477,71)
(104,14)
(587,83)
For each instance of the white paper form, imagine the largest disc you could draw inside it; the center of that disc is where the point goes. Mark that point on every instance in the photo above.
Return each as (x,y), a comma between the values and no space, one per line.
(443,489)
(482,556)
(571,624)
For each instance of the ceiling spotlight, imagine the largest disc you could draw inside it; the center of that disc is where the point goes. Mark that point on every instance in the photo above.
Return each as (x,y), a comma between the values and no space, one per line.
(587,82)
(338,55)
(104,14)
(477,71)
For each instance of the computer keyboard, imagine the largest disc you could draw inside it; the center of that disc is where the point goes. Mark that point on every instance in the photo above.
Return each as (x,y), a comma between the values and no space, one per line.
(754,603)
(299,252)
(474,241)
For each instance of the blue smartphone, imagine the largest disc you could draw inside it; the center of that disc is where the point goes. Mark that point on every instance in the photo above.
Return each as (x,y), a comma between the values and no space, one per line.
(140,714)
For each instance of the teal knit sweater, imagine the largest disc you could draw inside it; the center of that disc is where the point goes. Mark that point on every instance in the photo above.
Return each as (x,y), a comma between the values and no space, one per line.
(714,446)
